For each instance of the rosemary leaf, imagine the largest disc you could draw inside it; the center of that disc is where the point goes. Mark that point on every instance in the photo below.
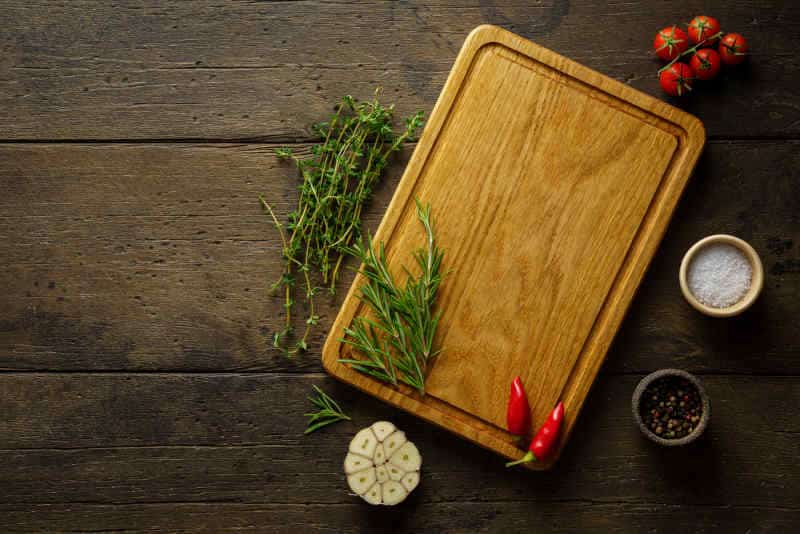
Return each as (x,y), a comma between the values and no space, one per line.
(328,411)
(397,344)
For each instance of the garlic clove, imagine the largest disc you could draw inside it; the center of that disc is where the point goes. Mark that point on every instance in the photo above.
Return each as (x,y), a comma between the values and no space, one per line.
(393,493)
(363,480)
(410,481)
(379,456)
(382,429)
(395,473)
(393,442)
(407,457)
(355,462)
(381,474)
(364,443)
(373,495)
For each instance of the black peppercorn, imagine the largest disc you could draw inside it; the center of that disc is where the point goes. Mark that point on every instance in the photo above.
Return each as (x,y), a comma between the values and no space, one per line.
(679,412)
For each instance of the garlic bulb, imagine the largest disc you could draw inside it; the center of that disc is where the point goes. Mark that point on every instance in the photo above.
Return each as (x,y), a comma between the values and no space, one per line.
(381,465)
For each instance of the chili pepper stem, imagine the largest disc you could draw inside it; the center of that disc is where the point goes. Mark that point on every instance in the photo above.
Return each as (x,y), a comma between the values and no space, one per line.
(529,457)
(521,442)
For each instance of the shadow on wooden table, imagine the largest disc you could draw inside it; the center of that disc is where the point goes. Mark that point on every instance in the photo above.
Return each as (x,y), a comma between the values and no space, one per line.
(704,98)
(742,336)
(692,471)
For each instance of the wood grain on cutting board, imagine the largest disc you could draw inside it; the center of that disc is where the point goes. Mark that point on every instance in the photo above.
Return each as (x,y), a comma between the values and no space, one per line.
(551,186)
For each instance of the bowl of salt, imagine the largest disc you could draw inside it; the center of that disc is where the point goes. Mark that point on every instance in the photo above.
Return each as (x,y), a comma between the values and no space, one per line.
(721,275)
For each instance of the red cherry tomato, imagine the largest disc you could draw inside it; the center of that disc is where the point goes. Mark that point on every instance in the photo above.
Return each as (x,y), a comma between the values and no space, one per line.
(677,79)
(705,63)
(703,27)
(670,43)
(732,49)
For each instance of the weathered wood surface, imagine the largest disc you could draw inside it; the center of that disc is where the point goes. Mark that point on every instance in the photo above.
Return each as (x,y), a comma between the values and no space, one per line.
(168,240)
(238,438)
(444,517)
(137,388)
(158,257)
(266,70)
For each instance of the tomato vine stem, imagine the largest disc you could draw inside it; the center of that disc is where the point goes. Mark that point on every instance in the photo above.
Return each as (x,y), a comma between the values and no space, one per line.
(691,50)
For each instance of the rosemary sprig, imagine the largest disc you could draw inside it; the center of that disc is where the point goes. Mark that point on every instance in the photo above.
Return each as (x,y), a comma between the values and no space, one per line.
(397,343)
(337,179)
(328,412)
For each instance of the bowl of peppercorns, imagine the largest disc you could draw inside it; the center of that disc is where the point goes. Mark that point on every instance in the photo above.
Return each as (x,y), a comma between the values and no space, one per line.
(671,407)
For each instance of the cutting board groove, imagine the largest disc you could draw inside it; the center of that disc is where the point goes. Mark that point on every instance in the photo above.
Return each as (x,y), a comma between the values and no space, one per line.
(551,186)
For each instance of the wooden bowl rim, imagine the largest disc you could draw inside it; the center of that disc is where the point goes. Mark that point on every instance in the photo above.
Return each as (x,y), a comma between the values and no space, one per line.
(756,283)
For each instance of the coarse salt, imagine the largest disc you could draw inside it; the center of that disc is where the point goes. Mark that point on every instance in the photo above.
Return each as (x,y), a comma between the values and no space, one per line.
(719,275)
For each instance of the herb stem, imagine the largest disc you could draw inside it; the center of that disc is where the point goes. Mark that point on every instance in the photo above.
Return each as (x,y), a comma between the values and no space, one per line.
(328,411)
(397,344)
(288,267)
(336,180)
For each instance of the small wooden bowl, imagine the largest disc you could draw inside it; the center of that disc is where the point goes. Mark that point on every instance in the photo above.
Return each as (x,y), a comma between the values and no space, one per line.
(756,282)
(637,415)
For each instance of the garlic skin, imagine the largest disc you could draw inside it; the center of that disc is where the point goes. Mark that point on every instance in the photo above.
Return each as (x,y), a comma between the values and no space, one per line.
(382,466)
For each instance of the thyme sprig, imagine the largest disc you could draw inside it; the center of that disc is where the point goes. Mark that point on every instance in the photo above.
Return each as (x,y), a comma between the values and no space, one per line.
(337,179)
(328,412)
(397,341)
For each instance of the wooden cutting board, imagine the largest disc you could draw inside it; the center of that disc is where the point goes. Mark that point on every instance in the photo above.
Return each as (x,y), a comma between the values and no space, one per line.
(551,186)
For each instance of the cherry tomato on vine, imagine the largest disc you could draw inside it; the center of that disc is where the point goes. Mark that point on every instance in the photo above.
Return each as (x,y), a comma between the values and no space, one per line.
(670,42)
(705,63)
(732,49)
(677,79)
(703,27)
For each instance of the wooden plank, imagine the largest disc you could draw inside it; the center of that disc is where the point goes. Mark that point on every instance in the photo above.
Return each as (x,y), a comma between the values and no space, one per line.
(233,70)
(449,517)
(737,189)
(142,257)
(546,249)
(149,438)
(83,218)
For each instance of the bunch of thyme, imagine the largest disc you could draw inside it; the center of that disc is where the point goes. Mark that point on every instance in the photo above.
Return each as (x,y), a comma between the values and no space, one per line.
(397,340)
(337,180)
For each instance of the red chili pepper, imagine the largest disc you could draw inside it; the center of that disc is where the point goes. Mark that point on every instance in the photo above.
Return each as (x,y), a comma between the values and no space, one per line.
(518,416)
(546,438)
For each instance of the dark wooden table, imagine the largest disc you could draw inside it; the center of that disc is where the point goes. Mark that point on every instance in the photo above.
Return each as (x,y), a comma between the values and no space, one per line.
(138,389)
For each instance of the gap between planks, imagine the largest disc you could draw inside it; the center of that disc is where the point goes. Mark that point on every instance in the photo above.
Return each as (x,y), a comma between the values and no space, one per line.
(277,140)
(273,504)
(319,374)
